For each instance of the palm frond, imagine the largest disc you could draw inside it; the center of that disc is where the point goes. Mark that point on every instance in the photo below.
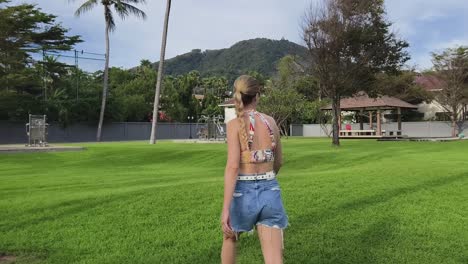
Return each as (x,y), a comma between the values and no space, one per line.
(120,9)
(85,7)
(109,18)
(124,9)
(134,1)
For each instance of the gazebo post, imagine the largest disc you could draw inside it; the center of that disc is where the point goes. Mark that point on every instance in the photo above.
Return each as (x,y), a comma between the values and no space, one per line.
(399,118)
(361,121)
(370,120)
(379,123)
(339,121)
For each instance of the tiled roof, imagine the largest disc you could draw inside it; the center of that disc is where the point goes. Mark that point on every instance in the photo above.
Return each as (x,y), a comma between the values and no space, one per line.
(362,100)
(429,83)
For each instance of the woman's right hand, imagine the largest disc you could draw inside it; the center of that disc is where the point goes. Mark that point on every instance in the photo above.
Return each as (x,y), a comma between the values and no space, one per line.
(226,224)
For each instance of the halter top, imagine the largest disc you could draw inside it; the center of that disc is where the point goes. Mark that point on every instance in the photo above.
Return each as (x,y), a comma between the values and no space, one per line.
(262,155)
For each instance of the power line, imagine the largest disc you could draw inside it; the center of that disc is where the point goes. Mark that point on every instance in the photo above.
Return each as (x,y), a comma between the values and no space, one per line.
(84,58)
(76,56)
(92,53)
(77,51)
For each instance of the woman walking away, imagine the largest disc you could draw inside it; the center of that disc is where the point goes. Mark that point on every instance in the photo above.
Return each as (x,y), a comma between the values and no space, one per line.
(251,192)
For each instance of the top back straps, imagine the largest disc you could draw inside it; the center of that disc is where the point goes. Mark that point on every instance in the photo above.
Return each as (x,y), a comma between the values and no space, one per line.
(252,115)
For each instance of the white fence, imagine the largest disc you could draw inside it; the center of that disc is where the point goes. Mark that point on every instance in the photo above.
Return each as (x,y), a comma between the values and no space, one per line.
(411,129)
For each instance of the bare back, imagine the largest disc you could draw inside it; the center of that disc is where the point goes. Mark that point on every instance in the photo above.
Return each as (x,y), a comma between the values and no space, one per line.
(262,140)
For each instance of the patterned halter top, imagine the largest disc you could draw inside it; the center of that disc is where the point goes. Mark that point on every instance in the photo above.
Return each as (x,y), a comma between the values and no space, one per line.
(262,155)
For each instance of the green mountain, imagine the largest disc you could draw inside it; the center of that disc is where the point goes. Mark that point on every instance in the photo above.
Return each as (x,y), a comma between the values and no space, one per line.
(261,55)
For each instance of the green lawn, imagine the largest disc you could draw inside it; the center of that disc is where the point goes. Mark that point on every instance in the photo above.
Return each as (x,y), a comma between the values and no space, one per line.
(366,202)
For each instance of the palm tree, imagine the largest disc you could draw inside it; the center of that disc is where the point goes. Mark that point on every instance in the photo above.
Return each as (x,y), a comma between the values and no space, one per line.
(160,74)
(123,8)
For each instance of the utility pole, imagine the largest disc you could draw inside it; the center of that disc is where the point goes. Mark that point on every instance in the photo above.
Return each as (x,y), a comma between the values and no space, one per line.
(44,84)
(76,73)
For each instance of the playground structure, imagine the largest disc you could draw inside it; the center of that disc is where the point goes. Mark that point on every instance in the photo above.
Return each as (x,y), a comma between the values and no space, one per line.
(36,130)
(211,128)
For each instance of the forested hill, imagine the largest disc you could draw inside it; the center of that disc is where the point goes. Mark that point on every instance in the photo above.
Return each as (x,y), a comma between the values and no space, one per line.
(259,55)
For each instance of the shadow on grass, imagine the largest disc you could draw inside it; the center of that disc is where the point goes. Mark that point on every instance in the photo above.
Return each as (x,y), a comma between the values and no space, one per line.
(360,248)
(343,158)
(386,196)
(363,247)
(106,183)
(76,206)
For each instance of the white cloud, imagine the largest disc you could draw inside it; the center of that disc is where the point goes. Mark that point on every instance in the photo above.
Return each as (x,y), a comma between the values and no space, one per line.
(453,43)
(406,13)
(428,25)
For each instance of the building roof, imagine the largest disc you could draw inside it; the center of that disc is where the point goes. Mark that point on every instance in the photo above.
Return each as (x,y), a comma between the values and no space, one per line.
(363,101)
(429,83)
(227,103)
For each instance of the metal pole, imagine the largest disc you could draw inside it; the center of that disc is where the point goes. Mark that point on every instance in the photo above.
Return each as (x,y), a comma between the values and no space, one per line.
(190,125)
(76,73)
(44,74)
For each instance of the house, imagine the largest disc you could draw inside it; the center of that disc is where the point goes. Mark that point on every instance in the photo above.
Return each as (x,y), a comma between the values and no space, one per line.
(229,109)
(432,110)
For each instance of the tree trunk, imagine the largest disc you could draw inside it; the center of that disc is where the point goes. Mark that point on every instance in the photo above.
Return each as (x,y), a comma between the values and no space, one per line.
(160,74)
(105,85)
(454,125)
(336,111)
(285,131)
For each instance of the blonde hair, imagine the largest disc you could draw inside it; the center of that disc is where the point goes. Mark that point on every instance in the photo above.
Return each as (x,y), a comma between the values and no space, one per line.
(245,89)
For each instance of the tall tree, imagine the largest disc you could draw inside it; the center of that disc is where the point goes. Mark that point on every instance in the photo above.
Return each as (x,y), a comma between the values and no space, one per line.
(451,66)
(25,30)
(160,74)
(349,42)
(282,103)
(123,8)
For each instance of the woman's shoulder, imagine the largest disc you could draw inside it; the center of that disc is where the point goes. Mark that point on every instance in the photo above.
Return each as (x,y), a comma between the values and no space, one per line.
(270,119)
(233,122)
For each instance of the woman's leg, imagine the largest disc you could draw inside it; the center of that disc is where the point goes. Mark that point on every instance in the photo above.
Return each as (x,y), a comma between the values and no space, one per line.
(271,240)
(228,252)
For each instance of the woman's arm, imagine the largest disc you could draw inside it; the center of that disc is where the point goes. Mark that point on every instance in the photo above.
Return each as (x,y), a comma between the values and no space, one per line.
(232,164)
(278,151)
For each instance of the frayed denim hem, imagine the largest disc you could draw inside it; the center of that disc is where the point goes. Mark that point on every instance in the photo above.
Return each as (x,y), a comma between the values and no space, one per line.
(279,228)
(274,226)
(237,232)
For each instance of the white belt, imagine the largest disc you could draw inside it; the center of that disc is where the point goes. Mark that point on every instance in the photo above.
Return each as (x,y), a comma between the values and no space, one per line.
(257,176)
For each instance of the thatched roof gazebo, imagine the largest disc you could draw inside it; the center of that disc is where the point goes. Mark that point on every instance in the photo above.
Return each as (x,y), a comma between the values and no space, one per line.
(361,103)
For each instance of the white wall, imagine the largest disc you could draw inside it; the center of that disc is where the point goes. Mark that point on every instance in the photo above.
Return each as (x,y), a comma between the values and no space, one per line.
(229,114)
(430,109)
(411,129)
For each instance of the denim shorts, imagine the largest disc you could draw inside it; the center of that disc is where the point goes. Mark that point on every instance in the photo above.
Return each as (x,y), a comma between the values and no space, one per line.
(257,202)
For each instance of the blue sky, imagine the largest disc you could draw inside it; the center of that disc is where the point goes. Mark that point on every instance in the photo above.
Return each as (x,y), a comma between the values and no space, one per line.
(428,25)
